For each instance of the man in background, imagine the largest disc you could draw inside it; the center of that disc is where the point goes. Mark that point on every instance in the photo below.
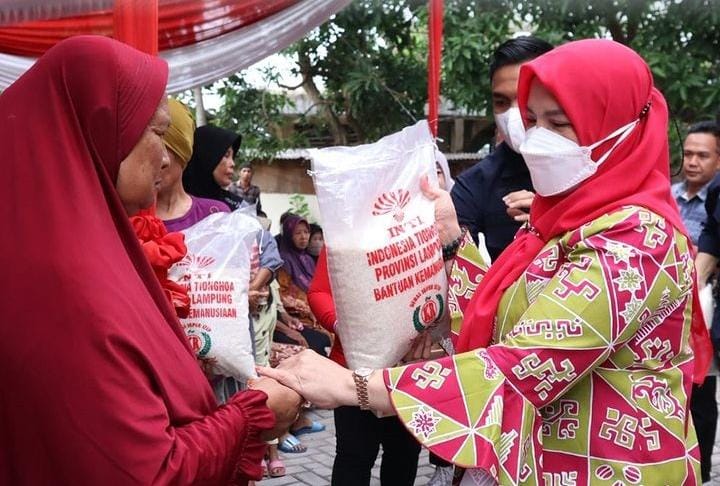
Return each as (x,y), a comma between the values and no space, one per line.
(697,197)
(494,195)
(244,187)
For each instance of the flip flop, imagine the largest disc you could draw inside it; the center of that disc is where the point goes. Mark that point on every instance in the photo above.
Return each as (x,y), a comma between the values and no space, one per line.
(291,445)
(309,429)
(276,468)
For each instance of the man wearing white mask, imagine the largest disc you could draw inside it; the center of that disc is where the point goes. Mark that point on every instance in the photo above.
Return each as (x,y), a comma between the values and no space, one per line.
(493,196)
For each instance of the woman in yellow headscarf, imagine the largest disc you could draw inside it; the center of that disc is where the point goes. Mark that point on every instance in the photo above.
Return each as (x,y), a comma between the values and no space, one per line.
(178,209)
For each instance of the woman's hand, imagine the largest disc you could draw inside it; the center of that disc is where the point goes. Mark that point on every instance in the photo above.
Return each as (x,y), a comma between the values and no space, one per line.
(445,215)
(420,349)
(284,403)
(318,379)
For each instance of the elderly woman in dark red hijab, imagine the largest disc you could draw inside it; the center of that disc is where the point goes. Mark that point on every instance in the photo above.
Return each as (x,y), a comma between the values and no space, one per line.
(578,347)
(99,383)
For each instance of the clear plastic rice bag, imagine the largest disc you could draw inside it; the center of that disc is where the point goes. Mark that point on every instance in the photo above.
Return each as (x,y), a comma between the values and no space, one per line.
(384,254)
(216,272)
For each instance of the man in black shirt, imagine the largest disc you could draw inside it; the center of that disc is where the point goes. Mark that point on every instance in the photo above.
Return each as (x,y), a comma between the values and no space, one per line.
(494,195)
(245,188)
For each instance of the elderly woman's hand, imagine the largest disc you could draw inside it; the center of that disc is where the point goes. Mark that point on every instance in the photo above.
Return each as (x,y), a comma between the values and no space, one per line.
(445,216)
(256,299)
(318,379)
(284,403)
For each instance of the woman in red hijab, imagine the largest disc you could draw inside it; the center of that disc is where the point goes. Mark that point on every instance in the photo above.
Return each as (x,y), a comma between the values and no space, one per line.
(575,362)
(99,383)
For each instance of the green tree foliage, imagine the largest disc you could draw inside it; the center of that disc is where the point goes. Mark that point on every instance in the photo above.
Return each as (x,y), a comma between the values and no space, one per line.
(371,60)
(472,31)
(299,206)
(680,40)
(257,114)
(366,69)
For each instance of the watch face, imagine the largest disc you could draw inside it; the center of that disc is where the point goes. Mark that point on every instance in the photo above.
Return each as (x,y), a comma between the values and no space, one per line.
(363,372)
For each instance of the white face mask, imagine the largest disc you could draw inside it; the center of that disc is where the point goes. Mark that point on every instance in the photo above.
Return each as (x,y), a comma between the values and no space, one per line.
(511,127)
(557,164)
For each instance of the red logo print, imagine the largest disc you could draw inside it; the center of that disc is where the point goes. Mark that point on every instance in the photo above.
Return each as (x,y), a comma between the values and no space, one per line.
(392,202)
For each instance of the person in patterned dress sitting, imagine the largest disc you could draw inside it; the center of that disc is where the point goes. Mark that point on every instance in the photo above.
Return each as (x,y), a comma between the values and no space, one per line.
(578,348)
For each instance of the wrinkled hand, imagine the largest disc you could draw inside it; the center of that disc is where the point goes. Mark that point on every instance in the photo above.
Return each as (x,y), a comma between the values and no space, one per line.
(257,298)
(297,337)
(284,403)
(420,349)
(445,216)
(295,323)
(290,303)
(518,205)
(318,379)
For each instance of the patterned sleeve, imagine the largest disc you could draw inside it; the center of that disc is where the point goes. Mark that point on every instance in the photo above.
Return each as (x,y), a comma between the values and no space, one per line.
(468,269)
(481,409)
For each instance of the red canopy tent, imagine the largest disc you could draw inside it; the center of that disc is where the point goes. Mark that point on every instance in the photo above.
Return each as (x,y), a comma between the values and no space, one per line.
(202,40)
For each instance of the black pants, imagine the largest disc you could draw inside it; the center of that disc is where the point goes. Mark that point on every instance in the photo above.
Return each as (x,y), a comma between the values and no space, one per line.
(703,406)
(439,461)
(359,434)
(317,341)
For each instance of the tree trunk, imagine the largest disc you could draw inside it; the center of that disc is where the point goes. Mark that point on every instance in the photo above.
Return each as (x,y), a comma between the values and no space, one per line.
(339,133)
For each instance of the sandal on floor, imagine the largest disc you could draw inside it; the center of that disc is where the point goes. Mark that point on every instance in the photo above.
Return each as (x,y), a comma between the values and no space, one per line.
(291,445)
(276,468)
(309,429)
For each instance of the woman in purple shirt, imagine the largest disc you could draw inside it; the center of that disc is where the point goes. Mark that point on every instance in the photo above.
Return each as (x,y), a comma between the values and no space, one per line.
(178,209)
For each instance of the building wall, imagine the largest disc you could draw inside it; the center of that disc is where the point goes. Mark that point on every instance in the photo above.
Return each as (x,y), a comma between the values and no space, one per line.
(280,179)
(274,204)
(284,176)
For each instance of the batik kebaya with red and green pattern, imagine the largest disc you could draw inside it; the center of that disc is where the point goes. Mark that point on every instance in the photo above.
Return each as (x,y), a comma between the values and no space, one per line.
(589,377)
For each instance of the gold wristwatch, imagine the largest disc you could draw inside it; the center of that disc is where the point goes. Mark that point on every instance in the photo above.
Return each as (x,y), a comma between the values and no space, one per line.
(361,376)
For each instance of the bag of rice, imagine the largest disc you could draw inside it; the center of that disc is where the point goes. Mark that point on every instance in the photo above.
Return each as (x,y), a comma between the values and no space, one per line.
(384,255)
(216,272)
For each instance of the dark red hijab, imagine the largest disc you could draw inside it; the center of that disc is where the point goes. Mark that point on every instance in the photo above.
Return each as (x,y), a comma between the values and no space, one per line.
(99,385)
(602,85)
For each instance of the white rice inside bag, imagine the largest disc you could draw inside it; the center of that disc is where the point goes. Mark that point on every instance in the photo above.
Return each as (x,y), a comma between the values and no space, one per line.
(384,255)
(216,272)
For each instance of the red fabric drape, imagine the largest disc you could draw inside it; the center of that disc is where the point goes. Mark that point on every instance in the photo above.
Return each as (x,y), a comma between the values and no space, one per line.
(180,23)
(435,34)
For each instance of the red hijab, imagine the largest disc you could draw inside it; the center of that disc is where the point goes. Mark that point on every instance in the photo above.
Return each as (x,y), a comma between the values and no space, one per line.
(602,86)
(99,383)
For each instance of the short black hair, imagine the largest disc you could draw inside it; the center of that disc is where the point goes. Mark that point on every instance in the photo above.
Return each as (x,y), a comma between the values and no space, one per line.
(518,50)
(706,126)
(315,228)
